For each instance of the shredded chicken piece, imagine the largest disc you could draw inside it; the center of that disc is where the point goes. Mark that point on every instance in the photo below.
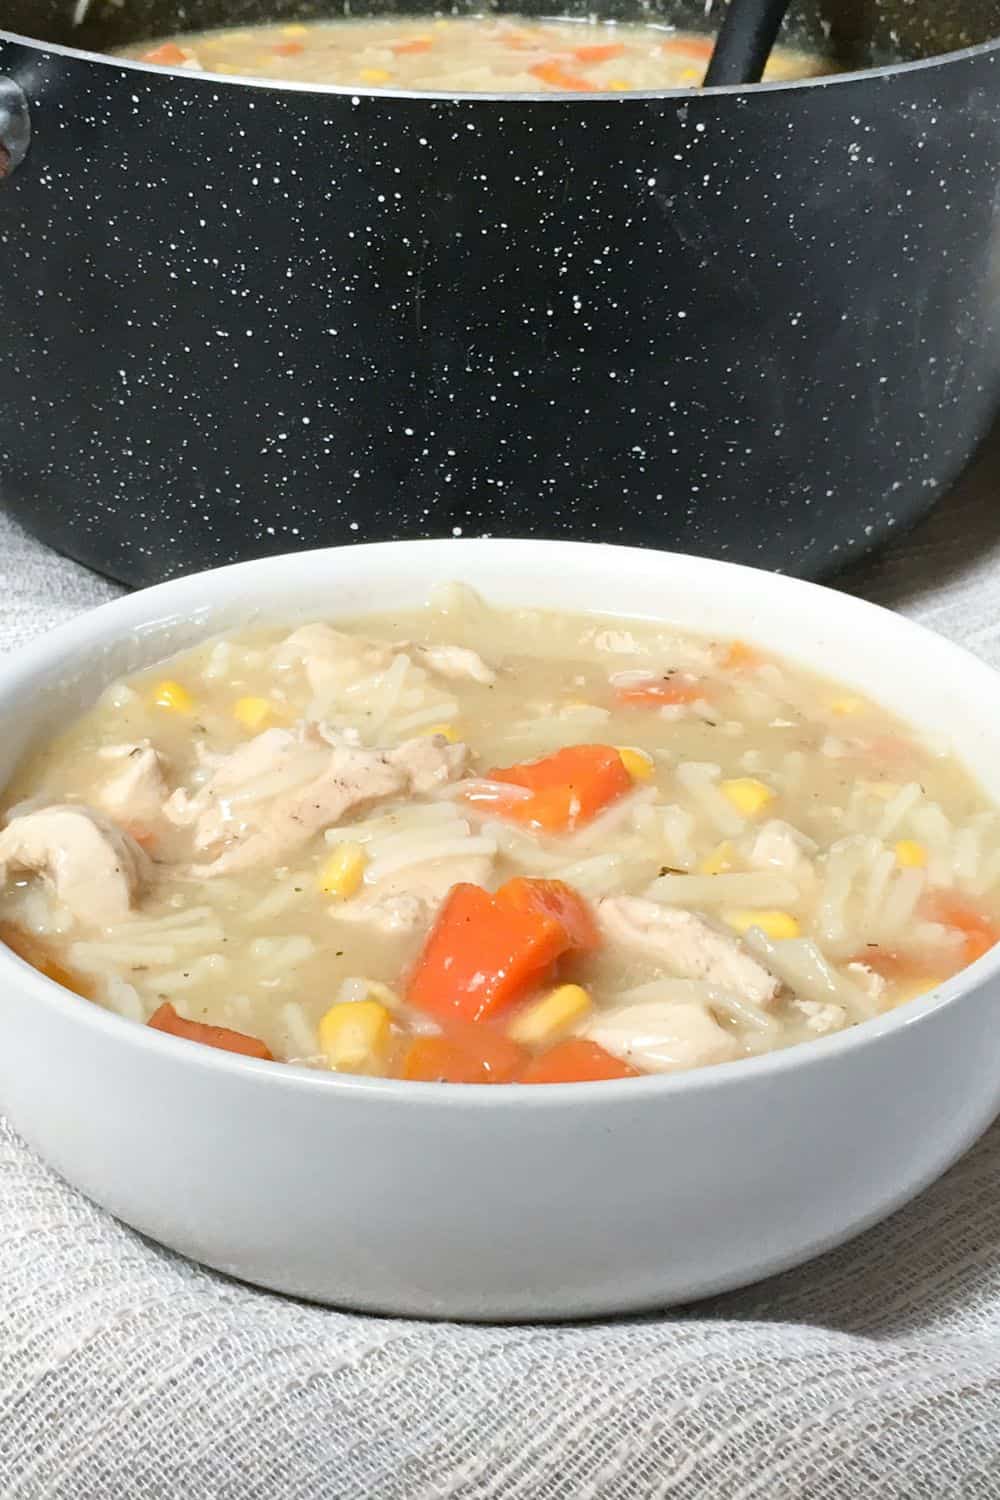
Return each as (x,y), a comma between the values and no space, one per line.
(663,1037)
(408,900)
(429,762)
(820,1016)
(276,791)
(777,845)
(96,870)
(270,762)
(137,790)
(686,945)
(457,663)
(671,654)
(327,654)
(331,657)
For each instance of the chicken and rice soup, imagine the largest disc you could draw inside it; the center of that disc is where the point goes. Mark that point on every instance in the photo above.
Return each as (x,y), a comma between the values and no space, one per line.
(476,846)
(474,54)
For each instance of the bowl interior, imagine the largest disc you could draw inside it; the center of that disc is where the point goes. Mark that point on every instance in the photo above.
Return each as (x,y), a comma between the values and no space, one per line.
(850,33)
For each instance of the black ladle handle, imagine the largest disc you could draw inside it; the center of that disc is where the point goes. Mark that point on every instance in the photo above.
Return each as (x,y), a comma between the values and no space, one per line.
(744,42)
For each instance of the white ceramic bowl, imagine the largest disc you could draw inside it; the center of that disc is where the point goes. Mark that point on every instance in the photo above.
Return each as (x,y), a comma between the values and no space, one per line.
(473,1202)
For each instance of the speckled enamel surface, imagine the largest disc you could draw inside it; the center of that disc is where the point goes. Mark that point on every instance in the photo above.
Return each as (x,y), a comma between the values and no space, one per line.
(239,320)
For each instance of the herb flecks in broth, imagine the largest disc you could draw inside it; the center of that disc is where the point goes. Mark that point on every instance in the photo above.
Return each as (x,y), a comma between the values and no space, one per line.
(423,847)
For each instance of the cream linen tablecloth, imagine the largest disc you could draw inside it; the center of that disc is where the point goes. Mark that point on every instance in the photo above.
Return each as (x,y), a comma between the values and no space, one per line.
(129,1374)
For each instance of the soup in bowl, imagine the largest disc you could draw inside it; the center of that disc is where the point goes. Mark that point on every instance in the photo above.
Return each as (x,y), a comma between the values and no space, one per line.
(315,840)
(475,845)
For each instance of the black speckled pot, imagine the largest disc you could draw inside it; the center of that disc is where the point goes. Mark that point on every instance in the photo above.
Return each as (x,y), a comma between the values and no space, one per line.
(242,318)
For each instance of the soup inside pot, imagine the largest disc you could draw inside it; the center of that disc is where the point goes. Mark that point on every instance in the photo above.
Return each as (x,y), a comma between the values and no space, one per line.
(490,54)
(845,34)
(482,846)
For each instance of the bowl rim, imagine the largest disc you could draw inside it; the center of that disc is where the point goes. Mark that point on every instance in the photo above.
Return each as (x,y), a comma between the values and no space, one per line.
(688,94)
(148,610)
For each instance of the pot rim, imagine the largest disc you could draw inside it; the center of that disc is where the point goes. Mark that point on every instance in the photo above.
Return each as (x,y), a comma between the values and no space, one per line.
(151,610)
(877,75)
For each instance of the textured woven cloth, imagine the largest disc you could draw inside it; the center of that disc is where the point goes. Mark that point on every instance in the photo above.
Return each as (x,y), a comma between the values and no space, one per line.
(875,1371)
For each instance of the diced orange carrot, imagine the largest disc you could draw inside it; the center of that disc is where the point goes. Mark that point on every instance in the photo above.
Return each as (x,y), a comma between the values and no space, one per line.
(557,900)
(902,969)
(575,1061)
(167,55)
(568,788)
(598,52)
(413,44)
(463,1053)
(699,47)
(657,692)
(143,836)
(166,1019)
(34,953)
(480,958)
(525,40)
(981,935)
(952,909)
(551,71)
(740,656)
(978,943)
(287,49)
(885,961)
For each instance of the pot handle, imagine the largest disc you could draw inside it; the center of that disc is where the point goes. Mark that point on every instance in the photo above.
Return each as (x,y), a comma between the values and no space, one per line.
(15,127)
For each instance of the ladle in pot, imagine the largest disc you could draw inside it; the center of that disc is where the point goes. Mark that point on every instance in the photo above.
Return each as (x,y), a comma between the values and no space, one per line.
(744,42)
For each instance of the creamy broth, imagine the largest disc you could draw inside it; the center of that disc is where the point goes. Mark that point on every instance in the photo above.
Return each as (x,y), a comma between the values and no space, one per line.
(461,54)
(757,857)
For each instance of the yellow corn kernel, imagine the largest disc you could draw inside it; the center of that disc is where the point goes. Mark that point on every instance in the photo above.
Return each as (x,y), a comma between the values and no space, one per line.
(719,861)
(912,989)
(847,706)
(776,925)
(374,75)
(617,86)
(448,731)
(747,795)
(171,695)
(910,854)
(292,31)
(355,1036)
(637,763)
(549,1017)
(342,873)
(252,713)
